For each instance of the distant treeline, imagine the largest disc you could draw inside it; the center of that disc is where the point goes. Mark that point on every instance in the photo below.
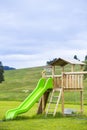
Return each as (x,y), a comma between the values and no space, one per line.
(8,68)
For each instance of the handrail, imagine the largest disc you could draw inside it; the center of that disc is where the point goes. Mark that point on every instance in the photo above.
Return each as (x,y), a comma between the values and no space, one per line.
(52,76)
(75,73)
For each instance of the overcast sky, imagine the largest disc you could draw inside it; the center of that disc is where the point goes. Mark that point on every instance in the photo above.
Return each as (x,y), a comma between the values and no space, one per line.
(34,31)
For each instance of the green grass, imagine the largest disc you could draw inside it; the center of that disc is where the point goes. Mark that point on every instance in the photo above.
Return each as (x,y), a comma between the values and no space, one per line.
(18,85)
(31,121)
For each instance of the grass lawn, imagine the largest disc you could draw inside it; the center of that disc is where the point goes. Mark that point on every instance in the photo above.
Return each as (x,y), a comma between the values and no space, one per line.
(31,121)
(13,92)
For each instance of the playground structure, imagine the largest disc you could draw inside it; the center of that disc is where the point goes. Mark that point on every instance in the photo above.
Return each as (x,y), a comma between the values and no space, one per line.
(68,81)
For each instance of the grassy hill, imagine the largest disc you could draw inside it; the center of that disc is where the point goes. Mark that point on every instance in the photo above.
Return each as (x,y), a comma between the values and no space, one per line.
(19,83)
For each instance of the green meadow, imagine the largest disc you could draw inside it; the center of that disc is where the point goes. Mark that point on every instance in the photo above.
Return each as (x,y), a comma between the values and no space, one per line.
(18,85)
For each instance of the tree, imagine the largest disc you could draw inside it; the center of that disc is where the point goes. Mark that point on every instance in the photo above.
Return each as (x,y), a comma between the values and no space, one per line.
(51,61)
(75,57)
(1,72)
(86,58)
(85,68)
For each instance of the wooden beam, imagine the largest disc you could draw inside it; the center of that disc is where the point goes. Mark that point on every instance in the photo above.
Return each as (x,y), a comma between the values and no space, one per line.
(82,72)
(43,73)
(53,70)
(63,102)
(72,68)
(81,100)
(62,68)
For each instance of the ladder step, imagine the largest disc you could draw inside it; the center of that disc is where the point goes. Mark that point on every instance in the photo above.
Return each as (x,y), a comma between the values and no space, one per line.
(53,102)
(50,113)
(55,96)
(54,99)
(58,89)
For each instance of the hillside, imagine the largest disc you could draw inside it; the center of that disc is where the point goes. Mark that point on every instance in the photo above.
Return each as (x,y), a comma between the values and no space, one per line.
(8,68)
(20,83)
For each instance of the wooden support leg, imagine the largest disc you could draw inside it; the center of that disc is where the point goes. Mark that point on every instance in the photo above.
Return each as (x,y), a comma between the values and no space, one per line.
(39,111)
(63,102)
(43,102)
(81,100)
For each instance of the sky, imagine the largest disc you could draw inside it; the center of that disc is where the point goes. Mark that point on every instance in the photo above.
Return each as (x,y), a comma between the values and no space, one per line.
(33,32)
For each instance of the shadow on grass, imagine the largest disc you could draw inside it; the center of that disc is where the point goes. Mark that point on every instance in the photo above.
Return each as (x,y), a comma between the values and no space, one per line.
(39,116)
(43,116)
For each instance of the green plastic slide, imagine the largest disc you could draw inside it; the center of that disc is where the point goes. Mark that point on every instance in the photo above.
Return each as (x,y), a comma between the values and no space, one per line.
(27,104)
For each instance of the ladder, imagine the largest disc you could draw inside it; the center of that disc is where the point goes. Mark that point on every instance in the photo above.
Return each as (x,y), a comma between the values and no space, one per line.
(54,99)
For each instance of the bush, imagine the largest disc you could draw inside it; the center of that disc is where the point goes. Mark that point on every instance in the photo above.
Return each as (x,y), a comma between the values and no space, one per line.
(1,72)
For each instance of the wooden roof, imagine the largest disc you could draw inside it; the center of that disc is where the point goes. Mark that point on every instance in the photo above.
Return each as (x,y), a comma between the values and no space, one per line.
(63,62)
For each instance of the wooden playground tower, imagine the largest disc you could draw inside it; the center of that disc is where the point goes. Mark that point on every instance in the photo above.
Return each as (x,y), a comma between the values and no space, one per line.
(67,81)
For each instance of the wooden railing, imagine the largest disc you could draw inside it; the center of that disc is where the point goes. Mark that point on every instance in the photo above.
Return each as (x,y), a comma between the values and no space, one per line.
(68,80)
(72,80)
(56,80)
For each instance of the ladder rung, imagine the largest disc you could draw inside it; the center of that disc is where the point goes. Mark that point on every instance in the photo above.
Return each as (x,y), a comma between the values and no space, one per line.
(58,89)
(51,108)
(54,99)
(55,96)
(50,113)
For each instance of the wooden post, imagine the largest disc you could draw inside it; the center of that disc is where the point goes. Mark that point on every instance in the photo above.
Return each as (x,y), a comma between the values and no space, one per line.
(43,102)
(81,99)
(82,67)
(72,68)
(62,91)
(53,70)
(62,68)
(62,83)
(62,94)
(39,111)
(43,73)
(63,101)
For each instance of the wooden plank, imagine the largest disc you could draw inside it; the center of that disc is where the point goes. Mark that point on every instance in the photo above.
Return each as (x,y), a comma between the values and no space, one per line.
(75,73)
(72,80)
(73,89)
(67,81)
(81,100)
(62,102)
(78,80)
(48,76)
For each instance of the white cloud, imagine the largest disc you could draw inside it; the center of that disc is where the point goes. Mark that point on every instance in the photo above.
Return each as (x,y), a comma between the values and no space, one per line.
(23,61)
(34,31)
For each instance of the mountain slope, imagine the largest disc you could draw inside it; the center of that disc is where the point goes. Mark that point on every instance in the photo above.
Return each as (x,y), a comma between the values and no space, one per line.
(19,83)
